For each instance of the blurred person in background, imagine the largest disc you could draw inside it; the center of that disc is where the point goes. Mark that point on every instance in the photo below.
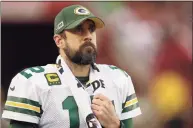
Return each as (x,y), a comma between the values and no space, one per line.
(172,80)
(134,38)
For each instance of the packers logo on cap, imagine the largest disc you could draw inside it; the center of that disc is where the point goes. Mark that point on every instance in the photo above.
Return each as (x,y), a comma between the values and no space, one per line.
(81,11)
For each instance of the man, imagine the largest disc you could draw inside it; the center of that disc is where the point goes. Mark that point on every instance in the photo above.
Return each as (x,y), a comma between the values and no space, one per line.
(75,92)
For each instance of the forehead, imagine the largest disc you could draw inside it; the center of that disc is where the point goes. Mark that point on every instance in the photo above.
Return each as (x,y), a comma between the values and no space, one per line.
(90,22)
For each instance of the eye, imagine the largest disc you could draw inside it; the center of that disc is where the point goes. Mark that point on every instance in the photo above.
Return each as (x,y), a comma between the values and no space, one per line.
(79,28)
(92,28)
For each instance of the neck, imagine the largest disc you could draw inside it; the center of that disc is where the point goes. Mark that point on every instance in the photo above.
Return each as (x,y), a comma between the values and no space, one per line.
(77,70)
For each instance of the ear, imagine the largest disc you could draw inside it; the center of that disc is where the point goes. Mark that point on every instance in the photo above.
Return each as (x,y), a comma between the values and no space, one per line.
(58,40)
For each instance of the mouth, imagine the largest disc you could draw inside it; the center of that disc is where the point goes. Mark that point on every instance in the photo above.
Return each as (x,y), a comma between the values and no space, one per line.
(88,49)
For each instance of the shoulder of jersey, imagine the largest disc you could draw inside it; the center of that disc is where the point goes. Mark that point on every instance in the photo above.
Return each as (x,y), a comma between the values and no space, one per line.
(112,70)
(115,74)
(41,75)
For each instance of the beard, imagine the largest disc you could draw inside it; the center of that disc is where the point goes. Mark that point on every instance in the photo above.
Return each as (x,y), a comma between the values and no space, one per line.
(85,55)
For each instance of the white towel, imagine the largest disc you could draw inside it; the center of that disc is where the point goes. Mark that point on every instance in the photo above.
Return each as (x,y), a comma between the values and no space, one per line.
(81,97)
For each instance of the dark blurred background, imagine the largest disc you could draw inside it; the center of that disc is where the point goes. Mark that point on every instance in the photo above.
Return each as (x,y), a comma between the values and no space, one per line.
(152,41)
(25,45)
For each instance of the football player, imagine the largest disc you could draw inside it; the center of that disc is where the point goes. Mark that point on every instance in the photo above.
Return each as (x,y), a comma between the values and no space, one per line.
(39,97)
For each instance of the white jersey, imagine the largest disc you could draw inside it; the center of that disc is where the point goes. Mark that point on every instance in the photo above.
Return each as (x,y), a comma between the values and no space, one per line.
(39,95)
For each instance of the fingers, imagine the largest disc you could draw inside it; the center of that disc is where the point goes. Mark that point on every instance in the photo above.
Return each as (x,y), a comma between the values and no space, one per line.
(99,102)
(99,110)
(99,105)
(95,107)
(99,113)
(101,97)
(104,111)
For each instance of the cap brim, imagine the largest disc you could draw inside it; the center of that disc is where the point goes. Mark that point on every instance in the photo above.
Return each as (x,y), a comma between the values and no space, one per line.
(98,22)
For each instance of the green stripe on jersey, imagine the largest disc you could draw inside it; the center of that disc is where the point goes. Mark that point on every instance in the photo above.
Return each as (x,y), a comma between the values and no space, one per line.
(128,99)
(114,67)
(130,108)
(21,110)
(23,100)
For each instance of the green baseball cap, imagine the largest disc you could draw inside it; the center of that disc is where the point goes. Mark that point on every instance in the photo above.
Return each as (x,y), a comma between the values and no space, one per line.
(71,16)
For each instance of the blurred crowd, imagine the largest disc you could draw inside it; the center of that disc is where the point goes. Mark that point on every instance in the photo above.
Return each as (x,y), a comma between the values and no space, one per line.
(152,41)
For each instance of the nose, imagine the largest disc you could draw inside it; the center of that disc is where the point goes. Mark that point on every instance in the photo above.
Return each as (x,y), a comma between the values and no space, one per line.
(88,36)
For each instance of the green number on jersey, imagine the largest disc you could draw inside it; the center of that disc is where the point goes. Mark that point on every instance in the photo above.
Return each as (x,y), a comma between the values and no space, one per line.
(37,69)
(70,104)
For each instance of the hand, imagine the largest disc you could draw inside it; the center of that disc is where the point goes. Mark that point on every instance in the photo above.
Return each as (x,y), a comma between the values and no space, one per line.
(105,111)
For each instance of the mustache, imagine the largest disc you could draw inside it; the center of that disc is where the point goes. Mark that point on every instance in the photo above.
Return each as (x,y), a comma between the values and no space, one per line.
(88,43)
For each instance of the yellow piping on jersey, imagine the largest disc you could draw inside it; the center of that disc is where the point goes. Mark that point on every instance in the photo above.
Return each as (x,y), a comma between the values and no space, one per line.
(131,102)
(22,105)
